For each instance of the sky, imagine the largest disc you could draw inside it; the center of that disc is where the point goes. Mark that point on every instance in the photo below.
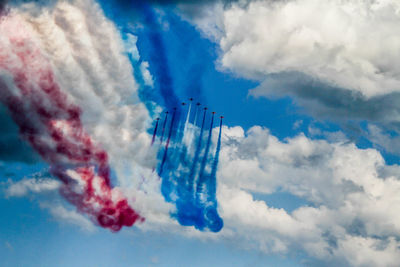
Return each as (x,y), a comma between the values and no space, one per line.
(299,165)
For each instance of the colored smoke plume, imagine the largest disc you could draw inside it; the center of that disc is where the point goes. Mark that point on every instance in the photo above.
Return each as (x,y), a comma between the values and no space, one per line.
(188,173)
(52,125)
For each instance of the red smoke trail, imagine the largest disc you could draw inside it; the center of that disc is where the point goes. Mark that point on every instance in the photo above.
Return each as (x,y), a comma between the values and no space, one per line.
(53,127)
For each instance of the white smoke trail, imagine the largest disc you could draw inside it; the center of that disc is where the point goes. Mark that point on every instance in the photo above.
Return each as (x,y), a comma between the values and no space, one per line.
(88,57)
(187,118)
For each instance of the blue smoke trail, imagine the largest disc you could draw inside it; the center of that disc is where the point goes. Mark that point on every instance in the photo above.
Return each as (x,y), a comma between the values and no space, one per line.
(188,212)
(158,58)
(200,181)
(155,132)
(188,116)
(215,223)
(167,144)
(214,167)
(179,130)
(190,131)
(196,154)
(163,127)
(196,114)
(179,157)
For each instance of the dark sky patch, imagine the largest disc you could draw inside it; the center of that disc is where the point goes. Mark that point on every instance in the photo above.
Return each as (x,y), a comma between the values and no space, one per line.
(12,147)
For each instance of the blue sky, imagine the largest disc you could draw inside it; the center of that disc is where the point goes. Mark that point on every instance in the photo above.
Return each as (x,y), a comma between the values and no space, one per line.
(301,141)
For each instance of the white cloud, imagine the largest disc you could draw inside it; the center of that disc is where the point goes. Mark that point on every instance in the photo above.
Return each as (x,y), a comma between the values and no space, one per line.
(336,58)
(130,46)
(32,185)
(147,77)
(37,186)
(349,44)
(353,193)
(383,140)
(63,215)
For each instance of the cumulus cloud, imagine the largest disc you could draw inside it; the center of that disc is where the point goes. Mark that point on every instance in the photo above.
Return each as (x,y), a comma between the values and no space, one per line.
(327,102)
(64,215)
(31,185)
(353,197)
(335,58)
(323,39)
(36,186)
(384,139)
(351,217)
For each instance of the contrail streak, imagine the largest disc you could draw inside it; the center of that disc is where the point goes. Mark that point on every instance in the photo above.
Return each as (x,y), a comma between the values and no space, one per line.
(167,144)
(214,221)
(187,118)
(200,181)
(214,167)
(163,127)
(155,132)
(190,133)
(196,155)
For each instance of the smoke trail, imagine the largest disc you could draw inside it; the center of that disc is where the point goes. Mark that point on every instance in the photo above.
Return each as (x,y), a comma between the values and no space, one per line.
(196,155)
(190,212)
(180,156)
(200,210)
(155,132)
(53,127)
(188,137)
(215,223)
(177,140)
(162,136)
(167,144)
(188,117)
(158,56)
(163,127)
(155,52)
(214,167)
(200,181)
(196,114)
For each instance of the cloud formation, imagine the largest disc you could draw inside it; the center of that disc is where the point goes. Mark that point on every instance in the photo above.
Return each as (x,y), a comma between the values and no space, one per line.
(335,58)
(325,40)
(31,185)
(353,196)
(67,216)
